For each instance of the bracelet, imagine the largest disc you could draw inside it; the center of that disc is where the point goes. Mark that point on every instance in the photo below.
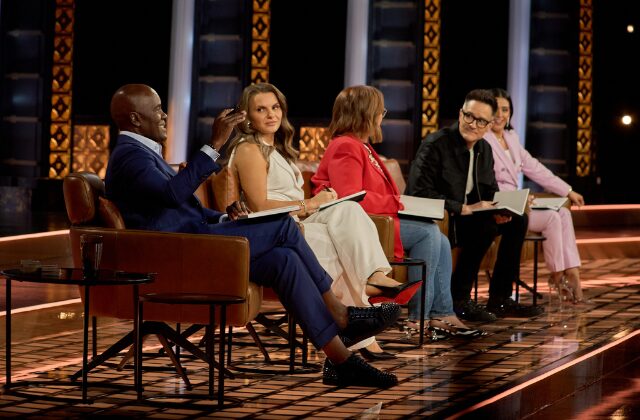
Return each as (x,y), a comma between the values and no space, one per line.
(304,206)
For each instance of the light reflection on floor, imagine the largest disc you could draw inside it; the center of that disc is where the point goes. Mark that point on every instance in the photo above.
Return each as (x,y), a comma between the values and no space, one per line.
(437,377)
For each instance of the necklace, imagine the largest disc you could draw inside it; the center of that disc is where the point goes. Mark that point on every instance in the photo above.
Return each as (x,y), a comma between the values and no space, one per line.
(372,158)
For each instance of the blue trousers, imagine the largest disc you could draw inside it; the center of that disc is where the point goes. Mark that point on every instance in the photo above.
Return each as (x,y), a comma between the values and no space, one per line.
(282,260)
(424,240)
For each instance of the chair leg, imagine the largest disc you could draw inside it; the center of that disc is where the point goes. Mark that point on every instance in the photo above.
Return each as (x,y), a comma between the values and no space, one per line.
(292,343)
(174,360)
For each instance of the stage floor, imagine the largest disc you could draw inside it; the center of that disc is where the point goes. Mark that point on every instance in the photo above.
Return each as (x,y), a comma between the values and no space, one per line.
(441,378)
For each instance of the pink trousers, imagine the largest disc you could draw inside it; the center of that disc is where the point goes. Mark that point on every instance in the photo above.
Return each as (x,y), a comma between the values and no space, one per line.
(560,248)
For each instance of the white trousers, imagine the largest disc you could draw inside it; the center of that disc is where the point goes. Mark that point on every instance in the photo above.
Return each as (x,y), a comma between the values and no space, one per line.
(345,241)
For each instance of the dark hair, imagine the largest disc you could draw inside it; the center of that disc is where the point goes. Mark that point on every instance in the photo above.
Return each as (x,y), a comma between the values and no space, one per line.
(483,95)
(501,93)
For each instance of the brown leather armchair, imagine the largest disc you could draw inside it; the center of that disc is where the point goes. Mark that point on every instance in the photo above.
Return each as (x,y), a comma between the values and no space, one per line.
(182,263)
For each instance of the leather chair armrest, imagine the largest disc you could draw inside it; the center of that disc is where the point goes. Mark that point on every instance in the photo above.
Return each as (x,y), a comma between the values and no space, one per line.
(384,225)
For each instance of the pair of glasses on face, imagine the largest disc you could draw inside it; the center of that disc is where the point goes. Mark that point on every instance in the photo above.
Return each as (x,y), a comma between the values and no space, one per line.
(469,118)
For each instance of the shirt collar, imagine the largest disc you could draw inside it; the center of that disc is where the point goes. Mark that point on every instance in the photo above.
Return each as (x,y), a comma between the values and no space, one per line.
(153,145)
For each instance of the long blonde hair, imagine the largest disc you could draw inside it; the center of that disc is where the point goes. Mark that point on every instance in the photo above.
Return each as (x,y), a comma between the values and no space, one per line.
(356,110)
(283,139)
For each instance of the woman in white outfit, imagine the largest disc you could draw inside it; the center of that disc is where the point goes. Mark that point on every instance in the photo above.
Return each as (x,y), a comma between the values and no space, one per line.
(343,237)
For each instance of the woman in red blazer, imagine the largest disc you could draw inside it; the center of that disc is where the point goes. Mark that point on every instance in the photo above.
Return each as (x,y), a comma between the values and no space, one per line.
(350,164)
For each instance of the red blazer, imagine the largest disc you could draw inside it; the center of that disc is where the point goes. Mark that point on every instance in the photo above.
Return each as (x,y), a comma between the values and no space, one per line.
(347,168)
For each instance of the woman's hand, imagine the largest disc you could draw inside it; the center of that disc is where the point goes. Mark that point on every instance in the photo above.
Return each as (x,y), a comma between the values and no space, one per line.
(322,197)
(576,198)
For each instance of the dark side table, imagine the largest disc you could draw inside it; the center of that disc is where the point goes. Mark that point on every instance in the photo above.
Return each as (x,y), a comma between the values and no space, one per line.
(537,241)
(68,276)
(211,300)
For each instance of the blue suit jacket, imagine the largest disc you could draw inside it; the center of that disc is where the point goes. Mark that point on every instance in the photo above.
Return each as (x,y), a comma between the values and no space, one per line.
(151,195)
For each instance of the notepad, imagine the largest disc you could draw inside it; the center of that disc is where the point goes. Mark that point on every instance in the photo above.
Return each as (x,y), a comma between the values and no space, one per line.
(548,203)
(428,208)
(351,197)
(270,212)
(508,202)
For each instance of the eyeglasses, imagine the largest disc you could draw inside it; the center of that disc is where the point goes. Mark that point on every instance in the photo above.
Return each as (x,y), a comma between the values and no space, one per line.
(469,118)
(384,112)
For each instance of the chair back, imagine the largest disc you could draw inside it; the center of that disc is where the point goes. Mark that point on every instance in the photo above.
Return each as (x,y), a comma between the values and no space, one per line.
(226,188)
(85,202)
(183,262)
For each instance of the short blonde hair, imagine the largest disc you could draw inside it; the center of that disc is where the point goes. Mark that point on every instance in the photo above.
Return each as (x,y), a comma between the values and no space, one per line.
(356,110)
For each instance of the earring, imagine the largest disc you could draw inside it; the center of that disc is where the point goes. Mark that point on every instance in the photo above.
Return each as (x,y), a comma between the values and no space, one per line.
(248,123)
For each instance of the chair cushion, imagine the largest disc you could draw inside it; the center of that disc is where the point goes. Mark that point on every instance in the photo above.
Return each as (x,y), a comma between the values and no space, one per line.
(109,214)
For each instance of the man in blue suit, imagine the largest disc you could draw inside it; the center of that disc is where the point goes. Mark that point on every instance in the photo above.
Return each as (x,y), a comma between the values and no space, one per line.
(151,195)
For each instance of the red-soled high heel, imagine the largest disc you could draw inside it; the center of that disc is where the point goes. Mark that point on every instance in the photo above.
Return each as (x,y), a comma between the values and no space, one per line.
(399,294)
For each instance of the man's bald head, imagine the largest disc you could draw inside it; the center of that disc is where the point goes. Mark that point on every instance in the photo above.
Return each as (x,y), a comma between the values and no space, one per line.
(137,108)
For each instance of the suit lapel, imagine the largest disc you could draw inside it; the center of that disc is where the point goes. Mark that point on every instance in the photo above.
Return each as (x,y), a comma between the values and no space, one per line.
(505,161)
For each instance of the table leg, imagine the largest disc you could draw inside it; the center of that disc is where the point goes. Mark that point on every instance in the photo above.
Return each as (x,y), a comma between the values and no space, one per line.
(138,350)
(423,294)
(535,273)
(7,334)
(85,344)
(223,321)
(136,337)
(210,352)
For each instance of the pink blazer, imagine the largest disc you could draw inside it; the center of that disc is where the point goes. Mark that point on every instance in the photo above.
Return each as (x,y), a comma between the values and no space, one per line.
(347,168)
(507,171)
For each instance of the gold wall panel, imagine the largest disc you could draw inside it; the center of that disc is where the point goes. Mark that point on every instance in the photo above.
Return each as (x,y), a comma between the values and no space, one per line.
(260,41)
(61,86)
(313,143)
(430,67)
(584,151)
(91,148)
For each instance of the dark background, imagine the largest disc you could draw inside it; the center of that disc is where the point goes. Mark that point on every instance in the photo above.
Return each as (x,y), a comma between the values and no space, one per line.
(115,43)
(310,77)
(128,42)
(616,91)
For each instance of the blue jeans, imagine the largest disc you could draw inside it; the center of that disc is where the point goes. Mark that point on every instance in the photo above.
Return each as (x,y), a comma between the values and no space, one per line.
(424,240)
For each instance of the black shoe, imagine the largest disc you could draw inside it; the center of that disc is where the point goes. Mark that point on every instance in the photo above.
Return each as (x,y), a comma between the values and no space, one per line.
(372,356)
(471,311)
(355,371)
(509,308)
(366,322)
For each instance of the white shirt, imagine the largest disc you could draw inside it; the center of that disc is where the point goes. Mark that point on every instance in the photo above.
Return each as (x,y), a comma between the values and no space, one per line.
(469,187)
(157,148)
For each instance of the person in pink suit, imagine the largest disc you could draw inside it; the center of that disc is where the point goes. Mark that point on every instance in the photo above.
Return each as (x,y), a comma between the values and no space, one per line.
(510,160)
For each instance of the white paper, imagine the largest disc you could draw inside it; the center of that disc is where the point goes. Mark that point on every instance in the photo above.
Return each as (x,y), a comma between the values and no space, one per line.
(430,208)
(509,201)
(548,203)
(270,212)
(351,197)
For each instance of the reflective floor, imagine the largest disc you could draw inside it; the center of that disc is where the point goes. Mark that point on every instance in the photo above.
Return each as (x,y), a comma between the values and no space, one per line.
(441,379)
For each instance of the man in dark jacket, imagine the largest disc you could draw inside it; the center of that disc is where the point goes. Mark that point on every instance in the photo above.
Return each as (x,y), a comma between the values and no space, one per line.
(456,164)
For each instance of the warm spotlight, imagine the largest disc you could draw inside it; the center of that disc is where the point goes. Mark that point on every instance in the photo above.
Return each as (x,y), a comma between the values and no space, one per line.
(626,119)
(630,28)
